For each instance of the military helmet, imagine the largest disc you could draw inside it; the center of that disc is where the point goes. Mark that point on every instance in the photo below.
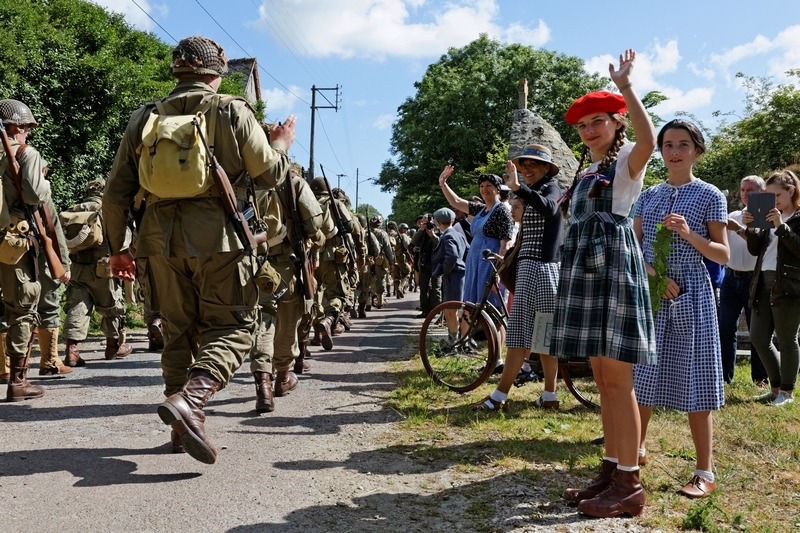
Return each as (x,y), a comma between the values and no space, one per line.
(403,226)
(391,224)
(318,186)
(362,220)
(338,193)
(198,55)
(17,113)
(95,187)
(376,220)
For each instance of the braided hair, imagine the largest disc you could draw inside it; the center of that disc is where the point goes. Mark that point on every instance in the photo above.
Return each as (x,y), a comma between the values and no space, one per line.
(565,202)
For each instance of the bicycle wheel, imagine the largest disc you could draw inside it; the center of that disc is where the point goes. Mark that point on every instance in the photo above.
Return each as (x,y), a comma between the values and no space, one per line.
(461,365)
(579,380)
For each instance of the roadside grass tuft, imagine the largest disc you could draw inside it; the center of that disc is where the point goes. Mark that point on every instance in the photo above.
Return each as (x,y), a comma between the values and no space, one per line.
(756,452)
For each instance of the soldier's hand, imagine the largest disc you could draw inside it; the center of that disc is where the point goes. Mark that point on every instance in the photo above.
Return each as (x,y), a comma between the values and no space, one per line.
(123,266)
(65,278)
(284,132)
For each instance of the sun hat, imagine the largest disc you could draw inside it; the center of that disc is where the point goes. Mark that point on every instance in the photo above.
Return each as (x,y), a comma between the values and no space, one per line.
(595,102)
(538,152)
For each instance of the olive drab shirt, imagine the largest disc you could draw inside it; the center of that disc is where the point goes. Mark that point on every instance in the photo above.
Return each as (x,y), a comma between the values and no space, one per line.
(359,241)
(402,249)
(330,229)
(309,210)
(191,227)
(385,246)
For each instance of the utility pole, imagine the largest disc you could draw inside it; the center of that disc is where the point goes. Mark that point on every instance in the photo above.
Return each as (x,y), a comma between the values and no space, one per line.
(339,180)
(314,107)
(357,191)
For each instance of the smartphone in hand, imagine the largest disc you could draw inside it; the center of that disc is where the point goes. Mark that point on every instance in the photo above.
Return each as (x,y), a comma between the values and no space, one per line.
(759,204)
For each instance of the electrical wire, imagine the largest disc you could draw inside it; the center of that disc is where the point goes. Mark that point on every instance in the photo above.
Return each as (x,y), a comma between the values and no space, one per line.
(154,20)
(329,143)
(285,43)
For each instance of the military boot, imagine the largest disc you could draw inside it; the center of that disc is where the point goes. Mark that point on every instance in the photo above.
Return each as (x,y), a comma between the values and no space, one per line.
(50,362)
(344,317)
(353,313)
(115,350)
(184,412)
(155,336)
(301,365)
(595,487)
(18,386)
(624,495)
(265,402)
(379,303)
(362,310)
(285,381)
(5,373)
(324,328)
(398,290)
(316,340)
(176,442)
(72,357)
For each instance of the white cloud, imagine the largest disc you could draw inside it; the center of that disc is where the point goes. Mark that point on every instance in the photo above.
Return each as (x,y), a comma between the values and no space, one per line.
(757,46)
(280,101)
(785,49)
(650,64)
(381,28)
(383,121)
(133,14)
(706,73)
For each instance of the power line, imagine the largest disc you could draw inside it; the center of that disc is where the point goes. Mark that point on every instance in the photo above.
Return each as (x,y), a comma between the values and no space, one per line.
(246,52)
(300,38)
(329,142)
(154,20)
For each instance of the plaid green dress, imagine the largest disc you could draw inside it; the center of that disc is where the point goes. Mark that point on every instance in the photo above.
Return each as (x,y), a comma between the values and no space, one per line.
(603,301)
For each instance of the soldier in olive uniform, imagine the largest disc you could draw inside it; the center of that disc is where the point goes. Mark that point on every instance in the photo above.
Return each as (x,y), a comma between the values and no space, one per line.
(402,261)
(276,346)
(90,287)
(360,245)
(202,275)
(356,240)
(384,261)
(332,271)
(367,280)
(391,231)
(21,280)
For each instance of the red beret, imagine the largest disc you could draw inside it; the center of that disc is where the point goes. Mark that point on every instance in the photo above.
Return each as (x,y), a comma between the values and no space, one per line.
(596,102)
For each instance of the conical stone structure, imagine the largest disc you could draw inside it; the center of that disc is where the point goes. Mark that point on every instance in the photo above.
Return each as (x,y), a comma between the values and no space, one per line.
(530,128)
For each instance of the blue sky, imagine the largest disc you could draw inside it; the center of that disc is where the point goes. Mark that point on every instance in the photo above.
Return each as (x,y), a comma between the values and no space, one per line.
(376,49)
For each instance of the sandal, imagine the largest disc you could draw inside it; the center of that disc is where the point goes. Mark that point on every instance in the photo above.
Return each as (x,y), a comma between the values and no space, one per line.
(541,403)
(488,404)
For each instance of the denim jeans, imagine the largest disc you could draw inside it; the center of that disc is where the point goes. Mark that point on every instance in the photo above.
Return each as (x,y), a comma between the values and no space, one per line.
(734,293)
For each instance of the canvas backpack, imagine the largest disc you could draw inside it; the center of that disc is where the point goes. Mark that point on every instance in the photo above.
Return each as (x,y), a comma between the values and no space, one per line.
(83,228)
(173,162)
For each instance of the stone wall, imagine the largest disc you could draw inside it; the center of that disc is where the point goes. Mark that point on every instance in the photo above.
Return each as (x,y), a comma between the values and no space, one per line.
(530,128)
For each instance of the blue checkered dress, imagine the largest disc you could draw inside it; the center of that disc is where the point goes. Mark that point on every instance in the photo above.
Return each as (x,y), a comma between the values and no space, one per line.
(603,303)
(688,376)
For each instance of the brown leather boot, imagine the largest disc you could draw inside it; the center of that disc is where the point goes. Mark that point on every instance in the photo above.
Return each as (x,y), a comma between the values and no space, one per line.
(184,412)
(345,319)
(338,329)
(300,363)
(265,402)
(5,373)
(323,329)
(18,386)
(316,340)
(353,313)
(362,310)
(177,444)
(50,362)
(116,351)
(285,381)
(595,487)
(72,356)
(624,495)
(155,337)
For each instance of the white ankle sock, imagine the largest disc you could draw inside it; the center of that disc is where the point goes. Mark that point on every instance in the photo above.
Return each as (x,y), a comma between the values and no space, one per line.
(549,396)
(498,396)
(642,452)
(526,367)
(611,459)
(627,468)
(705,474)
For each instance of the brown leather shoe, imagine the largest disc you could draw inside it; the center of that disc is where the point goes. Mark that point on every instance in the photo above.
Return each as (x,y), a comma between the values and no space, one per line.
(265,402)
(285,381)
(54,370)
(19,388)
(114,350)
(184,412)
(698,487)
(595,487)
(323,329)
(345,320)
(155,336)
(624,495)
(300,363)
(72,356)
(316,340)
(338,329)
(177,444)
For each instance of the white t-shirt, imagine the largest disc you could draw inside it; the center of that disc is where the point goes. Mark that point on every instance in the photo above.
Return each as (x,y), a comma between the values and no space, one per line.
(626,190)
(740,259)
(770,261)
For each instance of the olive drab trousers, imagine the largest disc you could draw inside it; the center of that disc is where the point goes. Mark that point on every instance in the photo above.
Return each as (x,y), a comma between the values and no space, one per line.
(21,298)
(209,308)
(87,291)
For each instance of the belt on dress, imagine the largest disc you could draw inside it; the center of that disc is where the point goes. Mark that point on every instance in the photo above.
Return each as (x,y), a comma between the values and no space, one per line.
(739,273)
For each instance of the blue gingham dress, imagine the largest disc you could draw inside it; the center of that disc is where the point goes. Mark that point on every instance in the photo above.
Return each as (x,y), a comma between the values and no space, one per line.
(603,301)
(688,376)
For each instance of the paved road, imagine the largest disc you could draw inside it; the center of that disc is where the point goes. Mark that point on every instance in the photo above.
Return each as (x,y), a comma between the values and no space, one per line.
(92,455)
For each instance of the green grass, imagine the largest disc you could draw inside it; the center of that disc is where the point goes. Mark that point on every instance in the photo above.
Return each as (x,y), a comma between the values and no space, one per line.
(756,451)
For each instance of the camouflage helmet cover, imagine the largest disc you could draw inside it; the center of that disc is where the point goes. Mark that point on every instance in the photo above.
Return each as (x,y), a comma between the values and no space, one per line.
(318,186)
(95,187)
(376,220)
(17,113)
(362,220)
(198,55)
(391,224)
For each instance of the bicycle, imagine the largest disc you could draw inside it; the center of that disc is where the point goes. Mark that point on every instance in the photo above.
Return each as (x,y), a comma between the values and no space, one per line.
(465,363)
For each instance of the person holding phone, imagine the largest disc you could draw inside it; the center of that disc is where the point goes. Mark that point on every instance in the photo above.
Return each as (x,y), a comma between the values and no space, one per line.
(775,289)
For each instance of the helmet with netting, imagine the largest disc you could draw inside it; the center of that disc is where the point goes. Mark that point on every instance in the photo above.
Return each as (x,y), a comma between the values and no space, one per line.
(17,113)
(198,55)
(318,186)
(391,224)
(376,220)
(95,187)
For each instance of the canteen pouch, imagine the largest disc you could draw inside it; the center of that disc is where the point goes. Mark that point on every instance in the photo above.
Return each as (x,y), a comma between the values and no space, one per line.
(13,247)
(341,255)
(268,279)
(103,268)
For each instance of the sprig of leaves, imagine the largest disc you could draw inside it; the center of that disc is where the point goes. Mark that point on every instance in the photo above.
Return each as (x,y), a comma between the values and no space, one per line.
(662,246)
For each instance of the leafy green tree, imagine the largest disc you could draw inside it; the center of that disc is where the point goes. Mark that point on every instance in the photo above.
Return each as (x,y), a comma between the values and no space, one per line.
(367,210)
(82,71)
(464,103)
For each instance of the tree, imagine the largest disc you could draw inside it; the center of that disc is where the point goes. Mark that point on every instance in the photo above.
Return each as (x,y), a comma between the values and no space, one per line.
(765,140)
(464,103)
(82,71)
(367,210)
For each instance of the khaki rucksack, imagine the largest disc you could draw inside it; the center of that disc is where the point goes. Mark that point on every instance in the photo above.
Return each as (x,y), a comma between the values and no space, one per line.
(173,162)
(83,229)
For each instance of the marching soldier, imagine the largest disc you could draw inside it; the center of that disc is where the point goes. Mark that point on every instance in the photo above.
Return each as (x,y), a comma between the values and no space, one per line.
(402,261)
(356,240)
(202,274)
(367,280)
(384,260)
